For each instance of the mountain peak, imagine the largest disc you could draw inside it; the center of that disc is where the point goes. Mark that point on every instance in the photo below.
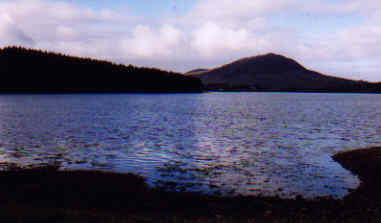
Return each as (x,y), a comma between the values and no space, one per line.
(272,61)
(270,54)
(264,63)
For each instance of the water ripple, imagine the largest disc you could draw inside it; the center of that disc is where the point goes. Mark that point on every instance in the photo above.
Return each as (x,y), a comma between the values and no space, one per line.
(223,143)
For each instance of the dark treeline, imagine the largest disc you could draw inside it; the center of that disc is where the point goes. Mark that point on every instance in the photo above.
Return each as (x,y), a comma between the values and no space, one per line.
(34,71)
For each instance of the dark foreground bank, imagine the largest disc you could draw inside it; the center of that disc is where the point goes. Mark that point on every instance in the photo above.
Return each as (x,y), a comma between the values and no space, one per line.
(44,194)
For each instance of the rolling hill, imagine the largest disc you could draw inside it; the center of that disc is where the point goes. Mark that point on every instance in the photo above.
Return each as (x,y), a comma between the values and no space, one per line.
(276,72)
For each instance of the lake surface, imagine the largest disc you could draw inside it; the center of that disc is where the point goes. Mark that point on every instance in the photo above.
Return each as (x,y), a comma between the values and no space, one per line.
(228,143)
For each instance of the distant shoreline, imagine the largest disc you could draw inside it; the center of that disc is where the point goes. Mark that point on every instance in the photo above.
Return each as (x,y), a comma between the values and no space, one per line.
(95,92)
(298,91)
(181,92)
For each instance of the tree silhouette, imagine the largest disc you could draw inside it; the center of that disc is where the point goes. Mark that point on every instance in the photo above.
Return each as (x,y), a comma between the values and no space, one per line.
(30,70)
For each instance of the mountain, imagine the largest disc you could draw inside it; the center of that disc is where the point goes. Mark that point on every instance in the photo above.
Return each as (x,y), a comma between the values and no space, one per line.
(276,72)
(35,71)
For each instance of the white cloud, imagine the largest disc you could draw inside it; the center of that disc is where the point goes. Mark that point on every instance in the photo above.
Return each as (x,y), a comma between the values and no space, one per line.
(10,33)
(148,42)
(45,12)
(211,39)
(213,32)
(66,32)
(59,26)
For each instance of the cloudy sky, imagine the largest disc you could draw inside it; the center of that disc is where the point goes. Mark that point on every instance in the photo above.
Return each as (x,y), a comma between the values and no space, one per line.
(337,37)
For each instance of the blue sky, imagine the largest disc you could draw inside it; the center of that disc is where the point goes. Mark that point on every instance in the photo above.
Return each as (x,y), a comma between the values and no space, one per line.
(150,8)
(335,37)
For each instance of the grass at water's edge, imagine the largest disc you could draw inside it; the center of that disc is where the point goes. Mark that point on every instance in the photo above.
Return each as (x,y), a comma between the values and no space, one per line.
(47,195)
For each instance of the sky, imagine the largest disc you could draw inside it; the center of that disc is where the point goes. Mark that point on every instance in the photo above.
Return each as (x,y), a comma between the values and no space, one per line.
(334,37)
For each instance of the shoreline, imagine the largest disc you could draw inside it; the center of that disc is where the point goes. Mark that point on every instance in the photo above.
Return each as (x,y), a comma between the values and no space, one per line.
(42,194)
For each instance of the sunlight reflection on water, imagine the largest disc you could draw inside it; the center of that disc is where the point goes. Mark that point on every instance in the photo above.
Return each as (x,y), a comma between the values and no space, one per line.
(229,143)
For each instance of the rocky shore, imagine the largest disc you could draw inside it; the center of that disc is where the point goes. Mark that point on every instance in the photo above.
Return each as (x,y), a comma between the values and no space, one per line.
(44,194)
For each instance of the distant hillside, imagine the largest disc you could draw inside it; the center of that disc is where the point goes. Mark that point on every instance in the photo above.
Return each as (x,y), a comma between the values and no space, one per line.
(276,72)
(27,70)
(196,71)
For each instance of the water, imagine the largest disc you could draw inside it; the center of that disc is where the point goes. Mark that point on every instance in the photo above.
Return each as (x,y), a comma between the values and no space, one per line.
(228,143)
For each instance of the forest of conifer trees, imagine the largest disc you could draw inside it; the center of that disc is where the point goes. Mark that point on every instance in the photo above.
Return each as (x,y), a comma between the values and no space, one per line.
(34,71)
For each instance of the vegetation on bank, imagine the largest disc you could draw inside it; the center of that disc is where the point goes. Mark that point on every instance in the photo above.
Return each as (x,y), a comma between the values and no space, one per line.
(34,71)
(44,194)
